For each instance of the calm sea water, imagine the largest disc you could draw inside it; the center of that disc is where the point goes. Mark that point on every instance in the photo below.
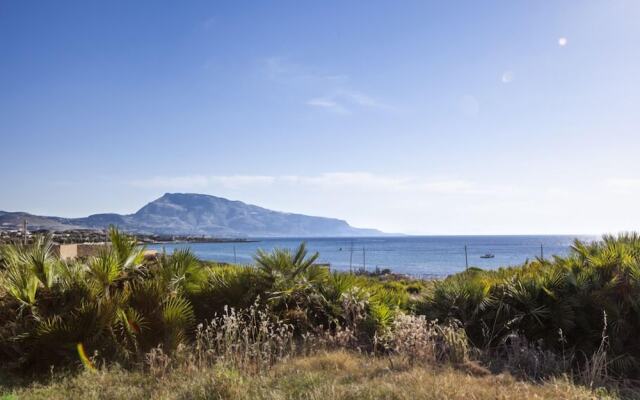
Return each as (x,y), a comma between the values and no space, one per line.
(422,256)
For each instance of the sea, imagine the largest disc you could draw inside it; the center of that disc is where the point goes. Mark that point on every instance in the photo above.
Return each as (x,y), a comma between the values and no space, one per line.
(418,256)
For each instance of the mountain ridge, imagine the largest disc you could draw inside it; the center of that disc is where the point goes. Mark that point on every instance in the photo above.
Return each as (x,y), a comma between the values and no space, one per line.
(200,214)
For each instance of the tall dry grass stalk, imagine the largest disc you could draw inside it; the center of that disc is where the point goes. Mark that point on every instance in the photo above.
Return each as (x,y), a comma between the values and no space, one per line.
(594,372)
(249,339)
(418,340)
(253,340)
(527,360)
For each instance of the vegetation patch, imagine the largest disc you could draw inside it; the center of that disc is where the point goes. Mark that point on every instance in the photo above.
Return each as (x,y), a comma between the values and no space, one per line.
(171,326)
(358,377)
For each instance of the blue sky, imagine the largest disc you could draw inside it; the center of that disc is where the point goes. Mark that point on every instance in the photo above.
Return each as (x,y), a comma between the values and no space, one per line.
(452,117)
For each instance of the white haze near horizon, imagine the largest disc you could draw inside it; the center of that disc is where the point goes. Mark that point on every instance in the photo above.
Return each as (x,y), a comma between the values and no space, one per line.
(415,205)
(398,204)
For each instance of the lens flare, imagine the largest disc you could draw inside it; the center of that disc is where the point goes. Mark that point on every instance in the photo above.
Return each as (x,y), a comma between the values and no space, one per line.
(84,359)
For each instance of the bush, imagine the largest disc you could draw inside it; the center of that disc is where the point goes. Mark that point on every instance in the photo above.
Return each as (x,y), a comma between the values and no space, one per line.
(120,305)
(544,297)
(576,314)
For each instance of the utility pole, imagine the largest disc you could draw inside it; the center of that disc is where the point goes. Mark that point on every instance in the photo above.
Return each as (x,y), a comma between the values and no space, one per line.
(541,252)
(24,231)
(351,258)
(364,259)
(466,258)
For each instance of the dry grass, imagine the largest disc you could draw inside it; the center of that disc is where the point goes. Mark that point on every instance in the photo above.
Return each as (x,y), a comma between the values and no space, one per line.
(328,375)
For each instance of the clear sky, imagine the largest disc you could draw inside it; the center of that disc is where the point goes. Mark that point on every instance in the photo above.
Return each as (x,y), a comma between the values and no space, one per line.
(435,117)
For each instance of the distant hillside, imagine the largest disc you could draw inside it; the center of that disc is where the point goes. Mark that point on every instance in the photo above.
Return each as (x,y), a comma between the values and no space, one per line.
(15,219)
(199,214)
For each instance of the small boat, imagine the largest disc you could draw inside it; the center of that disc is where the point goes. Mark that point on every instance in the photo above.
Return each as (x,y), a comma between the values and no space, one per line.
(488,255)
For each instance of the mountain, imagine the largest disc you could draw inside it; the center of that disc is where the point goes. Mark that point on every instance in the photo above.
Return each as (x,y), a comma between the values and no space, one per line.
(15,220)
(199,214)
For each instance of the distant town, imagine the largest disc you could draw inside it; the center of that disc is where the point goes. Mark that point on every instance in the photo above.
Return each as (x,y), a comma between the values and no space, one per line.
(11,233)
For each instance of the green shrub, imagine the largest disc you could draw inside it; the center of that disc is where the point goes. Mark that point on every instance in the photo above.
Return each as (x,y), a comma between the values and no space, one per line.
(559,303)
(120,306)
(582,310)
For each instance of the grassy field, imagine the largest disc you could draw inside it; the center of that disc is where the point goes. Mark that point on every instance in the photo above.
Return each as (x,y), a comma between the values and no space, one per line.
(330,375)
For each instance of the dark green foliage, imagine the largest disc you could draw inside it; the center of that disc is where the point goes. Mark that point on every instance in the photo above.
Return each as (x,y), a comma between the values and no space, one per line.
(560,303)
(120,305)
(109,304)
(232,286)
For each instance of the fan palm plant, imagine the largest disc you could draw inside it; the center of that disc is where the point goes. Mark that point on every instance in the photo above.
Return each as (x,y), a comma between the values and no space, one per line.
(20,282)
(295,284)
(228,286)
(104,272)
(290,274)
(182,271)
(161,317)
(283,264)
(39,257)
(126,251)
(28,268)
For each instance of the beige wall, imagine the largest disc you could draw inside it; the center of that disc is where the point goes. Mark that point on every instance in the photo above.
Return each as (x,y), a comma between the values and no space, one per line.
(90,249)
(70,251)
(67,251)
(83,250)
